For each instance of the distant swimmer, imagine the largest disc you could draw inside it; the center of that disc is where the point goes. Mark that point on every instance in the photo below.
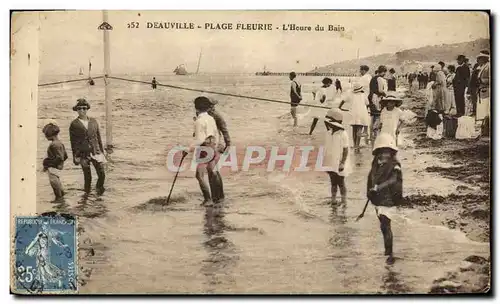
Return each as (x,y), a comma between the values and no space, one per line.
(153,83)
(295,97)
(338,85)
(91,81)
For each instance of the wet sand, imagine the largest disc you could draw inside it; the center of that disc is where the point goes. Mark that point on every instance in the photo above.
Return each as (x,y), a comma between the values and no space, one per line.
(275,233)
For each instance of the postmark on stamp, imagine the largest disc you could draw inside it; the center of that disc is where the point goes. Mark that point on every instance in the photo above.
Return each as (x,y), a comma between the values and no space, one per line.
(45,254)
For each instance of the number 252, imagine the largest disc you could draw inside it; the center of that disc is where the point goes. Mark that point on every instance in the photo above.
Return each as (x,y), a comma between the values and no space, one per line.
(133,25)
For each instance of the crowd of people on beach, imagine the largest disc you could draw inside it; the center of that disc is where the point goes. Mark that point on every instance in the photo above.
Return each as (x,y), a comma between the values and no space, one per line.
(458,96)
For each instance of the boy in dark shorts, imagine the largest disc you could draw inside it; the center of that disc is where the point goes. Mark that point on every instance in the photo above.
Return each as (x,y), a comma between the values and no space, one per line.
(54,162)
(295,97)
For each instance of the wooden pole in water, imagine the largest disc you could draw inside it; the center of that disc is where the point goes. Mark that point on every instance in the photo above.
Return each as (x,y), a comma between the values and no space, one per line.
(199,60)
(107,93)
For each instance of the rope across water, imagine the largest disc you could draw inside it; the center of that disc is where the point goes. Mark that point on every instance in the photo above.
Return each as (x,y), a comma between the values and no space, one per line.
(191,89)
(214,92)
(67,81)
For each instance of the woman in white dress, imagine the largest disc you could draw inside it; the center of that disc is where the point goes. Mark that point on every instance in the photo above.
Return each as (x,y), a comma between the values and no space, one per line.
(320,97)
(359,117)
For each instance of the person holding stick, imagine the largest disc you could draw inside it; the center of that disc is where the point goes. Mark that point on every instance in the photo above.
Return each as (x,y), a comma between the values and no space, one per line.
(206,135)
(385,186)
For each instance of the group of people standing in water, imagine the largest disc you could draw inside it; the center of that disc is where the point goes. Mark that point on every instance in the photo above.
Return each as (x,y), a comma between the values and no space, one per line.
(87,147)
(369,109)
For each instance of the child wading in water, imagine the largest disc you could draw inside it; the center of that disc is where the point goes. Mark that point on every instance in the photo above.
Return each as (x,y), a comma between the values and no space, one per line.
(358,111)
(385,186)
(320,96)
(391,116)
(54,162)
(336,153)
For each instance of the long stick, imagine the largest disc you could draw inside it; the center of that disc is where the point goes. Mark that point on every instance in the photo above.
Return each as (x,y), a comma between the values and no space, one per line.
(364,209)
(175,178)
(107,93)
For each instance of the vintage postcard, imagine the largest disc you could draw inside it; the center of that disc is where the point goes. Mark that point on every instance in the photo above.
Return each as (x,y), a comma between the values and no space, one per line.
(250,152)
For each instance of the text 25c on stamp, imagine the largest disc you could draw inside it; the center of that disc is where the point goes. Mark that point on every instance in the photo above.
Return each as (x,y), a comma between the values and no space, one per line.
(45,254)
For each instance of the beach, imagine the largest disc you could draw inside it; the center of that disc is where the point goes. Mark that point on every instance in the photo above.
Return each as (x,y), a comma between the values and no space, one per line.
(276,231)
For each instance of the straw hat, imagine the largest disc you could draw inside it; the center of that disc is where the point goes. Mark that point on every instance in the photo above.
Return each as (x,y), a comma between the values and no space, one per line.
(334,118)
(384,140)
(397,101)
(357,88)
(80,103)
(484,53)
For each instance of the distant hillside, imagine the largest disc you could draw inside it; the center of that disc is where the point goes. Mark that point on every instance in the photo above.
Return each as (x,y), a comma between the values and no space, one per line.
(412,59)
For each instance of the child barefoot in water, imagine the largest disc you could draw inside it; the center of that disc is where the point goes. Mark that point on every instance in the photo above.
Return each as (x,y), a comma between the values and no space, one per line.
(54,162)
(391,116)
(320,96)
(336,153)
(385,186)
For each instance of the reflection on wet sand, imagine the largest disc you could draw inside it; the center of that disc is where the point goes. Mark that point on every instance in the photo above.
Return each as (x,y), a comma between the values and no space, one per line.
(341,238)
(60,205)
(392,283)
(221,259)
(88,206)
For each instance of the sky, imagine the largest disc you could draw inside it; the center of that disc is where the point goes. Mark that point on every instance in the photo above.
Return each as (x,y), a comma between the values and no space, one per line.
(69,39)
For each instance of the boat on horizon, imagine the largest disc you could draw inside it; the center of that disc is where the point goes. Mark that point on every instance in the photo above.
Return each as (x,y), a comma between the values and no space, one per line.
(180,70)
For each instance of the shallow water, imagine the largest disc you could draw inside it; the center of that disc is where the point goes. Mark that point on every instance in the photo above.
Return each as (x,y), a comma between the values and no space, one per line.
(275,233)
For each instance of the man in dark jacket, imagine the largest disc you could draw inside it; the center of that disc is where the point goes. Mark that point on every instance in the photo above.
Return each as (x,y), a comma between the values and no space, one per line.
(338,85)
(222,127)
(87,146)
(460,83)
(432,74)
(473,87)
(378,90)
